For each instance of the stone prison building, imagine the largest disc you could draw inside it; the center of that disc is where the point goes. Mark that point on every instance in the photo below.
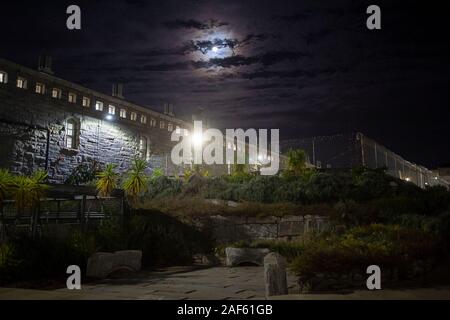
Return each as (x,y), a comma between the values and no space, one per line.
(53,124)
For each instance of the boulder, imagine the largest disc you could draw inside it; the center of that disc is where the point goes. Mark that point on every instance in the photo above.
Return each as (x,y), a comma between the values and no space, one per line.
(275,274)
(102,264)
(238,256)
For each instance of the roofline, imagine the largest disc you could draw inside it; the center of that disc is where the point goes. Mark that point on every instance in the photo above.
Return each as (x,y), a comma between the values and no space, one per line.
(98,94)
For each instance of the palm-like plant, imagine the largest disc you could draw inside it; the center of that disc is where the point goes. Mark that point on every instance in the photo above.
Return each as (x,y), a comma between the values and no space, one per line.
(136,180)
(296,161)
(28,191)
(107,180)
(5,184)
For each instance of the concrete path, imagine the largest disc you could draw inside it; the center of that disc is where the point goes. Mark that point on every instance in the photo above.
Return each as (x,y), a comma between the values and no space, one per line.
(218,283)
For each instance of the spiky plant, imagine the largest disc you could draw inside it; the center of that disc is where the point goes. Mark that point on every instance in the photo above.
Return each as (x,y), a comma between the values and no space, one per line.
(296,161)
(136,181)
(6,181)
(107,180)
(28,191)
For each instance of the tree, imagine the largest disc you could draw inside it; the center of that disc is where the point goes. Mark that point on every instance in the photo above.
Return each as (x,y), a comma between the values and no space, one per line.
(296,161)
(107,181)
(136,181)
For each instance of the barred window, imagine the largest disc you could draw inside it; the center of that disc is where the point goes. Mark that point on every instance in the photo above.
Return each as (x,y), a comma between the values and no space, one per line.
(40,88)
(143,119)
(169,127)
(72,133)
(143,148)
(21,83)
(86,102)
(123,113)
(99,105)
(162,125)
(56,93)
(111,109)
(3,77)
(72,97)
(133,116)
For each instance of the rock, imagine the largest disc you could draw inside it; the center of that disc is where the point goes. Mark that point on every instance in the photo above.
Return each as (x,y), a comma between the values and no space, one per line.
(275,275)
(102,264)
(238,256)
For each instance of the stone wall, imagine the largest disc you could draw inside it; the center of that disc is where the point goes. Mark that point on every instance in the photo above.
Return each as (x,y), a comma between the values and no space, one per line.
(33,130)
(233,228)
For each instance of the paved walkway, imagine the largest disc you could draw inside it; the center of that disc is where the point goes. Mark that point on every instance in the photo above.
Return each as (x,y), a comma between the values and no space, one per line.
(218,283)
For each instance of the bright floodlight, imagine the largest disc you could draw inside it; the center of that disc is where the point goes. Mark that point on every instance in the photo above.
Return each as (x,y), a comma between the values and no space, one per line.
(197,139)
(109,117)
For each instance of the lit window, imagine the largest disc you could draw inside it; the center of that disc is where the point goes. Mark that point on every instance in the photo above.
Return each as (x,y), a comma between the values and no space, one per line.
(56,93)
(3,77)
(21,83)
(86,102)
(72,97)
(153,122)
(111,109)
(143,147)
(143,119)
(40,88)
(99,106)
(133,116)
(162,124)
(169,127)
(123,113)
(72,131)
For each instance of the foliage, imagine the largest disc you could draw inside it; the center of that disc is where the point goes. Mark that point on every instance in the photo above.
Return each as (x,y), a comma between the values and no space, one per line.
(84,173)
(163,239)
(239,173)
(27,191)
(6,180)
(288,249)
(163,187)
(157,172)
(136,181)
(107,180)
(393,248)
(296,163)
(44,257)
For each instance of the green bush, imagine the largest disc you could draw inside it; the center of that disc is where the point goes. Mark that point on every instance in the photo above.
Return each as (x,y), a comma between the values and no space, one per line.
(162,186)
(393,248)
(27,258)
(165,240)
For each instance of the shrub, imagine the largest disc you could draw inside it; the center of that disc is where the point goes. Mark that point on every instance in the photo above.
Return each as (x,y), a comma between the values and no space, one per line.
(107,180)
(44,257)
(165,240)
(84,173)
(157,172)
(393,248)
(136,181)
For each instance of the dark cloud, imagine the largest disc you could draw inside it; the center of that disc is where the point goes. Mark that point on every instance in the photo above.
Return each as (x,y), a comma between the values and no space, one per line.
(194,24)
(308,67)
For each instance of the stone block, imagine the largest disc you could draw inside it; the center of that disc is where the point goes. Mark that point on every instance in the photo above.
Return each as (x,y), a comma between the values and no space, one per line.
(275,274)
(239,256)
(102,264)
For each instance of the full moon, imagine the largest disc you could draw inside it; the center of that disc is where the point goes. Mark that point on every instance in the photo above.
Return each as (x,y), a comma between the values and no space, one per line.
(215,49)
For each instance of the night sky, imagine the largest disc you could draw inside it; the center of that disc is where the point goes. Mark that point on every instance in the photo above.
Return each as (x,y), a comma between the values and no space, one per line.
(306,67)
